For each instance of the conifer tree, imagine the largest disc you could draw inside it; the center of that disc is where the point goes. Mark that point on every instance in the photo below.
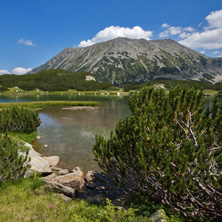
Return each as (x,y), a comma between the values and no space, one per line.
(170,149)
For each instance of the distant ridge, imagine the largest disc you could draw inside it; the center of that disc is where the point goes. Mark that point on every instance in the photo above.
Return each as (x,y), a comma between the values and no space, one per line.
(131,60)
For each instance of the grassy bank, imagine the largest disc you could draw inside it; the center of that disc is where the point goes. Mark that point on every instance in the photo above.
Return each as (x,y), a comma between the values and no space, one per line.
(40,104)
(26,137)
(25,200)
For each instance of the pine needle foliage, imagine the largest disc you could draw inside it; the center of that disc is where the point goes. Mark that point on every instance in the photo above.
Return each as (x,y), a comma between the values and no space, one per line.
(12,164)
(18,119)
(170,149)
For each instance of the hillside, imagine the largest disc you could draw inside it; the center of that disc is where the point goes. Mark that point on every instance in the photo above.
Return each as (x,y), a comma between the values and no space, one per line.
(53,80)
(123,60)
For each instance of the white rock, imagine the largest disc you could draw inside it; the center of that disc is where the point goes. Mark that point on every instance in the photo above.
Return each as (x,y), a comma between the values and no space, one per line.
(38,164)
(52,160)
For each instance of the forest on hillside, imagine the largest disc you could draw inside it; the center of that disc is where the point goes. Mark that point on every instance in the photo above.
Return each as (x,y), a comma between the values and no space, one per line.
(52,80)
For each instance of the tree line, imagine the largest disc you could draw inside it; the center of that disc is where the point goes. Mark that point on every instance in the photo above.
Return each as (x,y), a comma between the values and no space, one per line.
(52,80)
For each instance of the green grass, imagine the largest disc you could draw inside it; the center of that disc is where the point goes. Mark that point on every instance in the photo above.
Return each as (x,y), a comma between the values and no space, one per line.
(25,200)
(211,92)
(36,105)
(26,137)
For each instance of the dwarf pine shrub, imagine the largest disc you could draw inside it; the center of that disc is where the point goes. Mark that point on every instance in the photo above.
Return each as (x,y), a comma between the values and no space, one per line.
(18,119)
(170,149)
(12,164)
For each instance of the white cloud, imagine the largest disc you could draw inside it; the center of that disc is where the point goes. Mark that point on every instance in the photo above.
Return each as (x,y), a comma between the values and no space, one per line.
(116,31)
(3,71)
(26,42)
(20,70)
(208,39)
(215,19)
(202,52)
(210,36)
(165,25)
(172,30)
(216,52)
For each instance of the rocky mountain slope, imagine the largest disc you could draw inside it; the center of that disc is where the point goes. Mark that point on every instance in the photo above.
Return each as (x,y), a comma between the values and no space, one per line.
(130,60)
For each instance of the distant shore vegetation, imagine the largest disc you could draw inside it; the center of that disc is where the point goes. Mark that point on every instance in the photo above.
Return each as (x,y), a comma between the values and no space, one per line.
(61,81)
(52,80)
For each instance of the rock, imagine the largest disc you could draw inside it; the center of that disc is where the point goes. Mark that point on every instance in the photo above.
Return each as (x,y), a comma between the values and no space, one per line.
(53,160)
(52,175)
(59,188)
(158,216)
(38,137)
(101,188)
(38,164)
(91,186)
(64,197)
(56,168)
(45,145)
(97,198)
(76,169)
(63,172)
(74,180)
(90,176)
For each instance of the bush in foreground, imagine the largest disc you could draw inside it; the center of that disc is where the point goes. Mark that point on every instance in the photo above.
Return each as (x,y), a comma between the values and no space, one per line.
(12,165)
(18,119)
(170,149)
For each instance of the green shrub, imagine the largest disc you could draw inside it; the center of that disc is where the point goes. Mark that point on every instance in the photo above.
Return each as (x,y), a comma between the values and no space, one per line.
(12,165)
(18,119)
(170,149)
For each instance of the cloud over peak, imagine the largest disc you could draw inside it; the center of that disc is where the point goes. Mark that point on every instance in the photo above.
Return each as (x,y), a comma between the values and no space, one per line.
(116,31)
(20,70)
(23,41)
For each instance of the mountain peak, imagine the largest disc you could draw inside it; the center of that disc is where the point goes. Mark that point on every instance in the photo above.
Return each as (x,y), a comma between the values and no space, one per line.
(137,60)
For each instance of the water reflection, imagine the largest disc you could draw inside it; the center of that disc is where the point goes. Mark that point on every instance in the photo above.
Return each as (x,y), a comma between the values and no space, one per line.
(71,134)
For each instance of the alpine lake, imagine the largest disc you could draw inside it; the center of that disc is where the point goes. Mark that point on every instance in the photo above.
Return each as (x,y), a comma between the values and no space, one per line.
(70,134)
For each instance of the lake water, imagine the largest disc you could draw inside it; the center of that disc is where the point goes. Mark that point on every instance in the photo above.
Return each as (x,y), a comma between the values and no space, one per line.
(71,134)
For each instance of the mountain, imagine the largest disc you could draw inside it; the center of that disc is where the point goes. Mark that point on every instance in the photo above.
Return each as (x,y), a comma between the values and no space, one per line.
(124,60)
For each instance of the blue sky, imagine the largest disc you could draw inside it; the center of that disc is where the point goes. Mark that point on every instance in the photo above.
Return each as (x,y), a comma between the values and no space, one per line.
(33,31)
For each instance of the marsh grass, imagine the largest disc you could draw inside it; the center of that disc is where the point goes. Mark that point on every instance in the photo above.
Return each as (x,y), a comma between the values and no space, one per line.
(40,104)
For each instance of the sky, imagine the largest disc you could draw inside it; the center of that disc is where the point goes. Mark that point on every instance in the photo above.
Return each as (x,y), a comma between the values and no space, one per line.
(33,31)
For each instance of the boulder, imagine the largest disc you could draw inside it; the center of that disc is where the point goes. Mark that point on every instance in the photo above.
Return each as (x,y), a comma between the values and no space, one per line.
(76,169)
(52,175)
(90,176)
(52,160)
(56,168)
(38,164)
(59,188)
(74,180)
(63,172)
